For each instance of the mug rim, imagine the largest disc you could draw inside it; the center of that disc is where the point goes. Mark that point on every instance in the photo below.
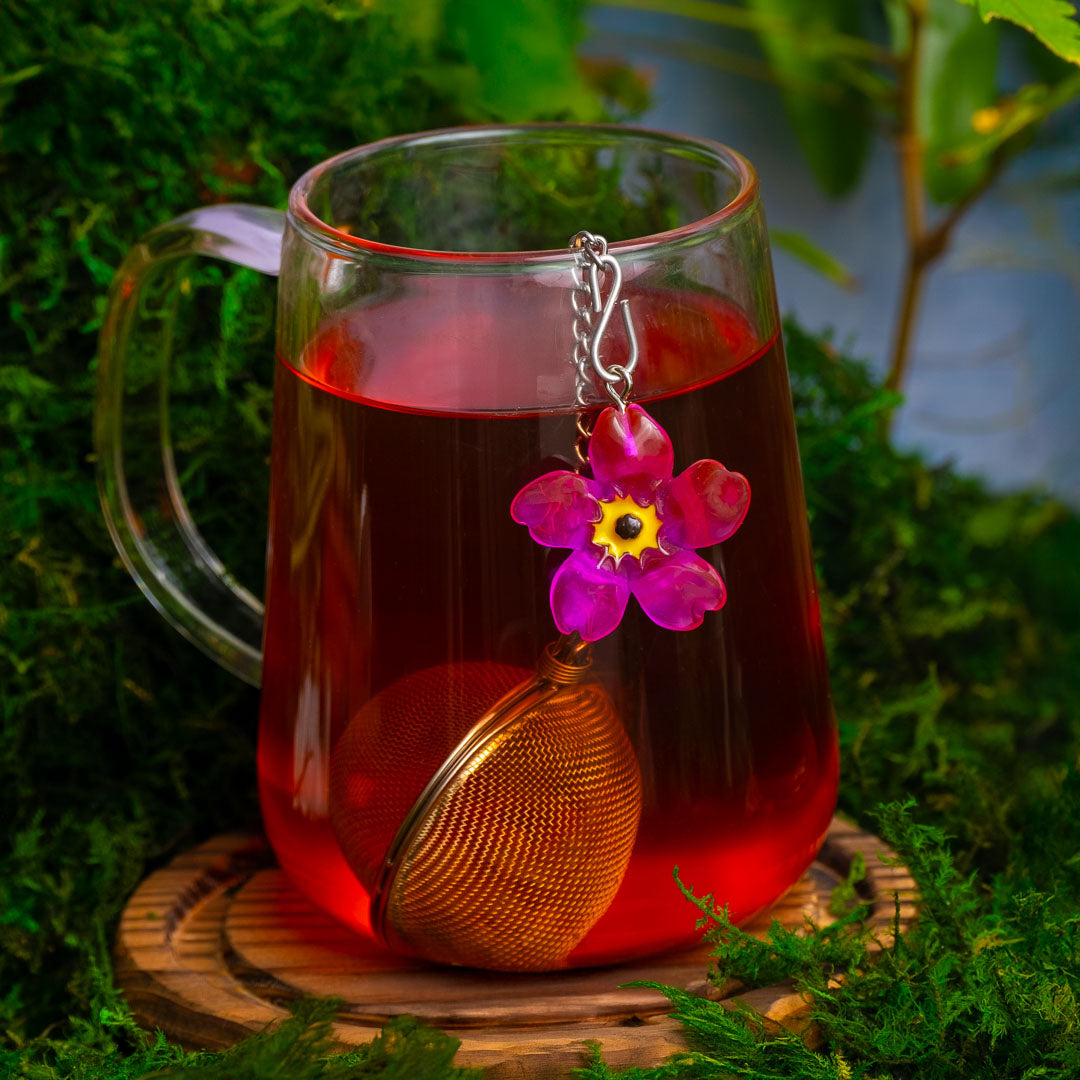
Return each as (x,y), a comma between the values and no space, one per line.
(341,243)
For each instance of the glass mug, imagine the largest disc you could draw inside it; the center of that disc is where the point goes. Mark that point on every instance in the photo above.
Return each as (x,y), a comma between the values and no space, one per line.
(438,766)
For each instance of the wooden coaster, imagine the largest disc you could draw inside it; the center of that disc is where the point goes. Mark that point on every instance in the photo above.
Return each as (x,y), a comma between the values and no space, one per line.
(215,946)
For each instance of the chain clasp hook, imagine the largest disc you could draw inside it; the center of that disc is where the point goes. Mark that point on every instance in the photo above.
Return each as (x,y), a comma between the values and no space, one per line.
(594,249)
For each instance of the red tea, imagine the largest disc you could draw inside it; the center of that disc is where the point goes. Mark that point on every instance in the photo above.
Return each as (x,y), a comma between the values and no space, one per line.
(392,550)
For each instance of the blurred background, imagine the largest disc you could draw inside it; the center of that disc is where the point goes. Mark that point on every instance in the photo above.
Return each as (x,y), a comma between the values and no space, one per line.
(993,374)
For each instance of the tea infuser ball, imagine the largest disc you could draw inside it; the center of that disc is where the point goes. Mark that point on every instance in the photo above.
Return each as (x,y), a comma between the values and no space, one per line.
(392,747)
(490,811)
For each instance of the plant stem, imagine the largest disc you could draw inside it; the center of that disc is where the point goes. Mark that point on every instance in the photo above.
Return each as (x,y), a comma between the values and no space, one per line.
(924,248)
(911,157)
(910,297)
(925,245)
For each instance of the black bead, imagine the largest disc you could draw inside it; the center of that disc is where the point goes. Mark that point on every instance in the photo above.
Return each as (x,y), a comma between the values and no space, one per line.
(628,526)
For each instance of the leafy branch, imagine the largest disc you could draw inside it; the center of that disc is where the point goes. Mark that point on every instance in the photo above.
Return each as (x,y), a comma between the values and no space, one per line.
(932,90)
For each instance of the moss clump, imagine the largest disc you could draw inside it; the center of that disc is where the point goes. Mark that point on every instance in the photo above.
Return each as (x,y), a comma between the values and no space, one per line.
(301,1047)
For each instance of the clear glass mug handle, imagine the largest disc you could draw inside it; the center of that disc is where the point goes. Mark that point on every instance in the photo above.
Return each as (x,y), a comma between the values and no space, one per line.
(146,514)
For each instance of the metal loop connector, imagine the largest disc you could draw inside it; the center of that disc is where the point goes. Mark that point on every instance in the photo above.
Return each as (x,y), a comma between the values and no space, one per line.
(620,397)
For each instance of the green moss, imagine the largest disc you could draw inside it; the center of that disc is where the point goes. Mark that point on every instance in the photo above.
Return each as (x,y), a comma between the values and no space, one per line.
(301,1047)
(985,984)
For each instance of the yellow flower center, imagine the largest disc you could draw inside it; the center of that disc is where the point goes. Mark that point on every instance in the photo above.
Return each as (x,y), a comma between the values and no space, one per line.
(626,528)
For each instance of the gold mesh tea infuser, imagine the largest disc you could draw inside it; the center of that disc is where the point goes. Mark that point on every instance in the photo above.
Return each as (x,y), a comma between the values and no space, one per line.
(517,844)
(489,810)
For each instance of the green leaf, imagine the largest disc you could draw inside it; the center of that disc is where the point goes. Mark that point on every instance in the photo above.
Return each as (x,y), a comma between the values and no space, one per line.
(19,381)
(1053,22)
(815,38)
(523,54)
(834,136)
(957,78)
(997,124)
(418,20)
(801,247)
(899,24)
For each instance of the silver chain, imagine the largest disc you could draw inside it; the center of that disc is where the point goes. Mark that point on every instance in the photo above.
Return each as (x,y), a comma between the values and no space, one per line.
(581,302)
(587,301)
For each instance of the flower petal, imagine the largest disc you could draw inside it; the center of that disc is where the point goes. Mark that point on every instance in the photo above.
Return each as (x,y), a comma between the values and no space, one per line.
(704,505)
(558,508)
(630,449)
(677,591)
(587,598)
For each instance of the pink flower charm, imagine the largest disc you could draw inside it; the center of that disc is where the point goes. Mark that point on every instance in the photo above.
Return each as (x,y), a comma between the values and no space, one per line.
(633,528)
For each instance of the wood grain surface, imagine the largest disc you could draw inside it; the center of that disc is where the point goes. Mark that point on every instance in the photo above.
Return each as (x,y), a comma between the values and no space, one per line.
(216,945)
